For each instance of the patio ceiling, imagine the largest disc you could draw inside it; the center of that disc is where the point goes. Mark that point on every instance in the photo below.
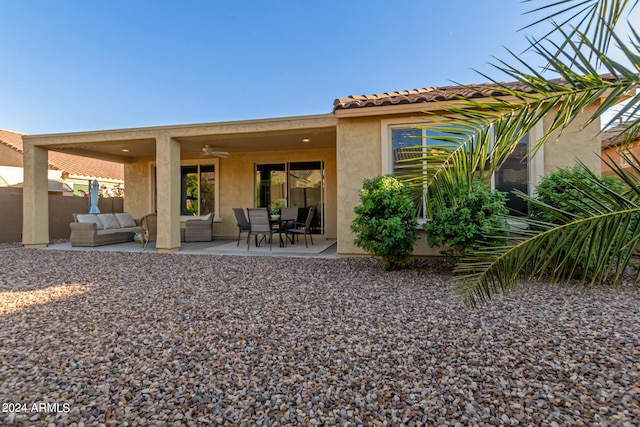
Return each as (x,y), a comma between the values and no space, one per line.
(260,135)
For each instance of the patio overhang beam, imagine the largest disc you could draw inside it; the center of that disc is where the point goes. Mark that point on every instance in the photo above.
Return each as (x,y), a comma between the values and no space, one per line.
(248,135)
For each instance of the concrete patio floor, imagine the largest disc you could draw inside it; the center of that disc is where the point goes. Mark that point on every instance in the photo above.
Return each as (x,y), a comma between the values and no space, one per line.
(322,248)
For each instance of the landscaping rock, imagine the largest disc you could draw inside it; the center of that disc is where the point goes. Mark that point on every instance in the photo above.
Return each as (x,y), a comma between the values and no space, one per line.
(91,338)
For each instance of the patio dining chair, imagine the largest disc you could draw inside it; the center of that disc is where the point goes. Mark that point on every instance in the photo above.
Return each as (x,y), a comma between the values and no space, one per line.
(149,225)
(243,224)
(260,226)
(305,228)
(288,217)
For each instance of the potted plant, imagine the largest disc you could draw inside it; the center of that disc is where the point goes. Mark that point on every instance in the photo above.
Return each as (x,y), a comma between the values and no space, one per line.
(276,206)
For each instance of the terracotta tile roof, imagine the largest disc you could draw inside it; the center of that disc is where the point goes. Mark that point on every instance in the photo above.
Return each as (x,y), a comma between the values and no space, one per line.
(69,163)
(423,95)
(12,140)
(433,94)
(610,137)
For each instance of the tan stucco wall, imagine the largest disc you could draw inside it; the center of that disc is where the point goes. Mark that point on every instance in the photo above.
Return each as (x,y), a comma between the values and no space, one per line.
(575,142)
(137,200)
(359,156)
(35,200)
(237,185)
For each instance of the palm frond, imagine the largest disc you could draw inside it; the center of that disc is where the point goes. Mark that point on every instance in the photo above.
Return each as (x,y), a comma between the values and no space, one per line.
(594,18)
(604,242)
(602,236)
(510,112)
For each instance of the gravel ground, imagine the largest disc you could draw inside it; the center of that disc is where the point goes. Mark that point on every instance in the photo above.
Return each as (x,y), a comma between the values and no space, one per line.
(152,339)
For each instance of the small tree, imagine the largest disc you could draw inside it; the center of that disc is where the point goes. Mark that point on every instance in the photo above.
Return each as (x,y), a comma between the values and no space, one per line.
(385,223)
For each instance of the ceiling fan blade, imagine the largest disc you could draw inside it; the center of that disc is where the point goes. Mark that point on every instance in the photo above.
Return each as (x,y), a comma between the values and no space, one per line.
(208,150)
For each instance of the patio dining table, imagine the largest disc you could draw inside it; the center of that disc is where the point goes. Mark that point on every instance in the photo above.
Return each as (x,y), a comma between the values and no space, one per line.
(281,225)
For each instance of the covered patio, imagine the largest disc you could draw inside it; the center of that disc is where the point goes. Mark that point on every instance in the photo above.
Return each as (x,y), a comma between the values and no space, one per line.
(158,161)
(326,248)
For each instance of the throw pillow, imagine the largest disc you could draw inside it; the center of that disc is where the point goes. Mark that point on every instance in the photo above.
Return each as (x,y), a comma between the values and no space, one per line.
(90,218)
(125,220)
(109,221)
(207,217)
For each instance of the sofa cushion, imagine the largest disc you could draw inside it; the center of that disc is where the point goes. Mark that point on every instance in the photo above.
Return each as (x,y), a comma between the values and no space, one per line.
(109,221)
(90,218)
(125,220)
(136,229)
(123,231)
(207,217)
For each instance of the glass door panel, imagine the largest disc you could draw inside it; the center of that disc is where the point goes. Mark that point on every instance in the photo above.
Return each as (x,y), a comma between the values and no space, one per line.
(306,189)
(207,189)
(189,190)
(271,183)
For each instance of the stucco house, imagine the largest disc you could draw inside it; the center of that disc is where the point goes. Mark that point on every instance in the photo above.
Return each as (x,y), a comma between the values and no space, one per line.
(67,174)
(318,159)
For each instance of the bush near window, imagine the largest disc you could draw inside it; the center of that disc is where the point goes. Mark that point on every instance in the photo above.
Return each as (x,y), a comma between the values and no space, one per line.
(558,189)
(476,216)
(385,223)
(565,189)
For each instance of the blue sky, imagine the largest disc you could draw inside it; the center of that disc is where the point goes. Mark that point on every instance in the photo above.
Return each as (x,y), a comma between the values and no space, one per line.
(89,65)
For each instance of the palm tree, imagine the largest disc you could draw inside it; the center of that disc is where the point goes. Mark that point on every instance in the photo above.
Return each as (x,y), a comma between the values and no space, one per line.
(487,131)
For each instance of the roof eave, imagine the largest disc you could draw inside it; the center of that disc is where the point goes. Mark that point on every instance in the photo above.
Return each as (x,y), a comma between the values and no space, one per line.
(383,110)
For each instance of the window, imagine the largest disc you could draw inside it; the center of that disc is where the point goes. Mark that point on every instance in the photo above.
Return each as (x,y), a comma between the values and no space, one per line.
(294,184)
(514,175)
(198,188)
(402,141)
(411,143)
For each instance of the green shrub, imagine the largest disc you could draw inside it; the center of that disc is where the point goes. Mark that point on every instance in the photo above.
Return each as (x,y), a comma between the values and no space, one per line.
(473,218)
(564,189)
(385,223)
(557,189)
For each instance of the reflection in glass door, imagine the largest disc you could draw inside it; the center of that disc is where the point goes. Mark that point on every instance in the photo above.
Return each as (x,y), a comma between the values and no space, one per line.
(296,185)
(306,189)
(271,181)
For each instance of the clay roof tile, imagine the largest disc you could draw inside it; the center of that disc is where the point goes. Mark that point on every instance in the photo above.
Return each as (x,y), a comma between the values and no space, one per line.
(72,164)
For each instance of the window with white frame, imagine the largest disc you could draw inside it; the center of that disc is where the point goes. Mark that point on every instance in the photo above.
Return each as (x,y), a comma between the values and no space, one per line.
(411,143)
(403,141)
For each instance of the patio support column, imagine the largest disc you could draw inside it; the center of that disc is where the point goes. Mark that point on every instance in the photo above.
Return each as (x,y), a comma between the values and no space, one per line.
(35,197)
(168,179)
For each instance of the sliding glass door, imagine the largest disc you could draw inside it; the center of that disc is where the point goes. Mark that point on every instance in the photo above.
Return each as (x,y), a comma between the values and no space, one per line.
(296,185)
(271,185)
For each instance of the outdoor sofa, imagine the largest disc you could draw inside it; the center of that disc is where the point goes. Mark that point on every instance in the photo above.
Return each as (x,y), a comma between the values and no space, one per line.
(103,229)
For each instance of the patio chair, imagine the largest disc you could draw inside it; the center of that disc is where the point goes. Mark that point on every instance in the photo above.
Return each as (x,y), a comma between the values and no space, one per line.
(149,225)
(199,230)
(306,227)
(243,224)
(288,217)
(260,226)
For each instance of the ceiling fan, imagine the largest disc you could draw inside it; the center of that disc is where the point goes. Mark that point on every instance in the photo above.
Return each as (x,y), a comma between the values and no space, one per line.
(208,150)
